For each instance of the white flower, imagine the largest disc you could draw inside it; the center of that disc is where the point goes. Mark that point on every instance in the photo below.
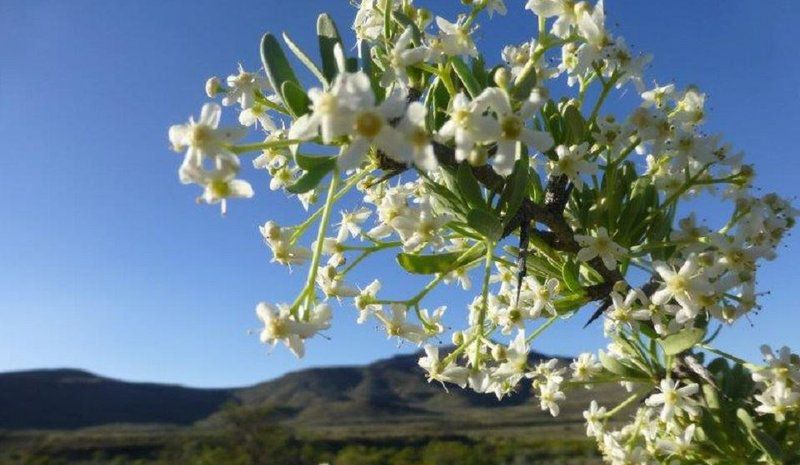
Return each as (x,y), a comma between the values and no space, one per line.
(631,309)
(780,369)
(495,6)
(329,116)
(351,223)
(433,321)
(370,125)
(518,56)
(572,162)
(332,284)
(243,87)
(397,325)
(678,445)
(658,97)
(564,9)
(364,301)
(686,286)
(282,177)
(512,130)
(368,23)
(413,128)
(600,245)
(203,141)
(515,365)
(585,367)
(544,296)
(468,125)
(220,185)
(420,226)
(675,400)
(549,396)
(777,400)
(456,38)
(438,372)
(460,276)
(257,114)
(283,251)
(280,325)
(401,57)
(595,418)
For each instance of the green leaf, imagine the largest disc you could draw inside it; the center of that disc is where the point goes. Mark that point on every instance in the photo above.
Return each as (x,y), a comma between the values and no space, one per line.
(310,163)
(328,37)
(304,58)
(437,100)
(485,223)
(575,124)
(525,82)
(406,22)
(311,179)
(768,444)
(570,302)
(468,186)
(277,66)
(746,419)
(466,77)
(710,394)
(387,20)
(615,366)
(516,188)
(569,273)
(295,99)
(536,190)
(681,341)
(479,71)
(427,264)
(437,263)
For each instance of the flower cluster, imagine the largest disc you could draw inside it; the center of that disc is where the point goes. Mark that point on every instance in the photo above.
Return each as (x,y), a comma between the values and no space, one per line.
(473,175)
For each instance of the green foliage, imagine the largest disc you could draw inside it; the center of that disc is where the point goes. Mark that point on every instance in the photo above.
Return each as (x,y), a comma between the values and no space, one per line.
(276,65)
(328,36)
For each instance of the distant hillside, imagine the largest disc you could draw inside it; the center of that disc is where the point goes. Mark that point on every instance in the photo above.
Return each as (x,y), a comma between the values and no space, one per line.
(387,397)
(69,399)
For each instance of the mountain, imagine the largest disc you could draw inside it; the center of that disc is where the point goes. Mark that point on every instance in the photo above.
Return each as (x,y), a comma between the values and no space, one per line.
(387,397)
(69,399)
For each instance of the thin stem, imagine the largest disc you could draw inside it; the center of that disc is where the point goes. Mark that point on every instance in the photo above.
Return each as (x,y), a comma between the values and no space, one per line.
(723,354)
(273,144)
(444,75)
(487,272)
(628,150)
(323,226)
(366,252)
(607,86)
(541,328)
(688,185)
(631,399)
(300,229)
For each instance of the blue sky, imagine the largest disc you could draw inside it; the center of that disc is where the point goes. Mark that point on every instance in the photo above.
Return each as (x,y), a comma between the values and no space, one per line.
(108,265)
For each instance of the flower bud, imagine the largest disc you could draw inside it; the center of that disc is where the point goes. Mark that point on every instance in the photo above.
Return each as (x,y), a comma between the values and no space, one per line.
(271,231)
(499,353)
(501,77)
(213,86)
(457,338)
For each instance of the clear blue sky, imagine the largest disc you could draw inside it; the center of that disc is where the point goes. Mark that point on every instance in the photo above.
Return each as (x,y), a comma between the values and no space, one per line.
(106,263)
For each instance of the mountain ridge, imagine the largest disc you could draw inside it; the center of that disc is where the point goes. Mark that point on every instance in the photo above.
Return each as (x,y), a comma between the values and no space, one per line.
(356,399)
